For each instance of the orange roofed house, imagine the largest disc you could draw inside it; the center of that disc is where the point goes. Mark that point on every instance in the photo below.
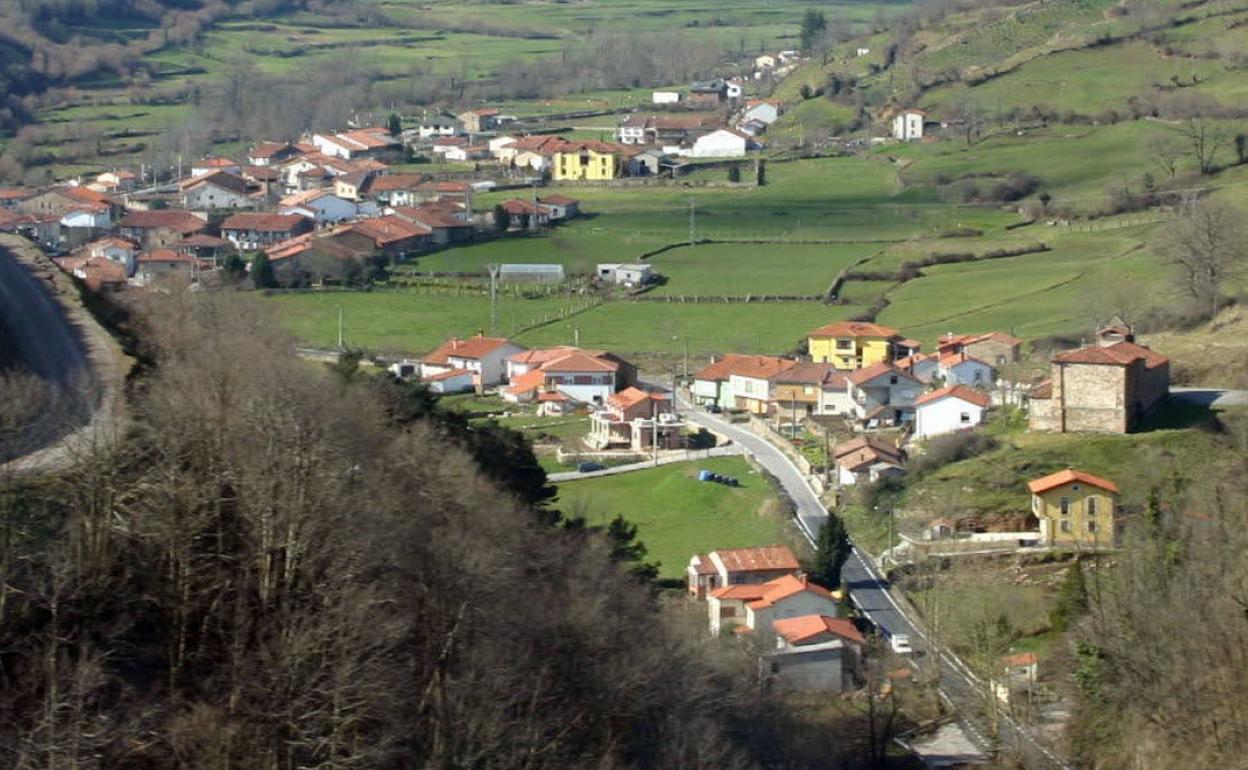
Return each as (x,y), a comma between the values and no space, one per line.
(1074,508)
(738,382)
(485,357)
(579,376)
(636,419)
(754,607)
(1110,387)
(850,345)
(814,653)
(738,566)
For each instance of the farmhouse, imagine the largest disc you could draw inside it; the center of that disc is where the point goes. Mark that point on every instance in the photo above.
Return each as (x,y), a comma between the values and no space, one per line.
(219,190)
(560,207)
(738,566)
(883,395)
(391,236)
(153,229)
(952,408)
(865,460)
(964,369)
(814,653)
(212,165)
(665,97)
(1106,388)
(249,232)
(801,391)
(625,274)
(478,120)
(723,143)
(749,381)
(755,607)
(164,264)
(321,206)
(485,357)
(272,153)
(993,347)
(1074,508)
(636,419)
(907,124)
(585,377)
(359,143)
(588,161)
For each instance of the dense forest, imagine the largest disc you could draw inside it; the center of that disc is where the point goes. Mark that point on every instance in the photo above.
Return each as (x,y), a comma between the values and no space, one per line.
(282,567)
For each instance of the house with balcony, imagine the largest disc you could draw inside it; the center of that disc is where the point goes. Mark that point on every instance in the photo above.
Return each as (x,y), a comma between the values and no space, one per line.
(636,419)
(738,566)
(883,396)
(850,345)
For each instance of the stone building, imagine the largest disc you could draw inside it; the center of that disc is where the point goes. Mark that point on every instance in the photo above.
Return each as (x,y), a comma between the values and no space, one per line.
(1110,387)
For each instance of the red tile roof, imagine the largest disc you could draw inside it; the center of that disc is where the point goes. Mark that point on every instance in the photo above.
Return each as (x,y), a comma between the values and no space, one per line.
(579,361)
(183,222)
(527,382)
(392,182)
(86,195)
(702,564)
(763,367)
(863,376)
(1021,659)
(967,394)
(804,628)
(954,359)
(222,179)
(1118,354)
(447,375)
(1068,476)
(854,329)
(765,558)
(15,194)
(740,592)
(472,348)
(783,587)
(387,229)
(269,149)
(630,397)
(265,223)
(824,375)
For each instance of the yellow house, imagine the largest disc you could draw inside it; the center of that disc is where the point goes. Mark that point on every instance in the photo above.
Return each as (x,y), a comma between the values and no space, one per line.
(850,345)
(1074,508)
(588,161)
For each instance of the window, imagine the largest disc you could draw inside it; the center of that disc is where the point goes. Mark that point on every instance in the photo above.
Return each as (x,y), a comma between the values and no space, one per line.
(1092,525)
(1065,506)
(727,612)
(964,418)
(1091,504)
(1065,526)
(844,344)
(892,380)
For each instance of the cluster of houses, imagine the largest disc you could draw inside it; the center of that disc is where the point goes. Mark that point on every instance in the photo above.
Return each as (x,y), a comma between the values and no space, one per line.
(891,394)
(314,207)
(558,381)
(760,594)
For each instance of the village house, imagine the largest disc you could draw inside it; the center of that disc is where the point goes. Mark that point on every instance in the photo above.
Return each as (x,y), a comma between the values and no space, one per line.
(372,142)
(214,165)
(446,223)
(883,395)
(272,153)
(925,367)
(485,357)
(62,199)
(711,383)
(636,419)
(101,275)
(738,566)
(391,236)
(219,190)
(1074,508)
(452,381)
(867,459)
(625,274)
(749,382)
(250,232)
(800,391)
(11,196)
(114,182)
(753,608)
(907,124)
(167,264)
(437,125)
(588,161)
(819,653)
(665,130)
(85,221)
(396,189)
(952,408)
(467,153)
(993,347)
(766,111)
(524,215)
(723,143)
(478,120)
(163,227)
(1018,674)
(321,206)
(850,345)
(115,249)
(584,377)
(1110,387)
(208,248)
(964,369)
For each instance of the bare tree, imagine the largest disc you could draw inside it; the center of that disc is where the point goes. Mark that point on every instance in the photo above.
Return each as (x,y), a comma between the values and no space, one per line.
(1207,246)
(1205,140)
(1164,151)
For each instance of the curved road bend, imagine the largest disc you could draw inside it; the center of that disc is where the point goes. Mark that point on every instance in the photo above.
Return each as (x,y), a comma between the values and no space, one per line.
(869,591)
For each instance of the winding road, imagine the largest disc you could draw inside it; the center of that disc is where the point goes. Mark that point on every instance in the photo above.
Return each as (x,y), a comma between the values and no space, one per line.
(869,591)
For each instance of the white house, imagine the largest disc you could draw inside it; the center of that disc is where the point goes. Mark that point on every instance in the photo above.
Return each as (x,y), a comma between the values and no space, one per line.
(626,274)
(814,653)
(908,125)
(724,143)
(734,89)
(452,381)
(712,384)
(583,377)
(834,396)
(757,606)
(949,409)
(485,357)
(499,142)
(965,369)
(207,166)
(665,97)
(750,382)
(320,205)
(88,216)
(221,190)
(924,366)
(437,125)
(115,249)
(866,459)
(764,112)
(765,62)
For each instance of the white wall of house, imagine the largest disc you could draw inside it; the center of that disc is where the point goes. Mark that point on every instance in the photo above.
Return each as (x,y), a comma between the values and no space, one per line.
(329,145)
(717,618)
(326,208)
(834,401)
(888,389)
(665,97)
(491,366)
(764,113)
(908,126)
(707,392)
(457,384)
(748,387)
(209,196)
(87,219)
(946,415)
(587,388)
(719,144)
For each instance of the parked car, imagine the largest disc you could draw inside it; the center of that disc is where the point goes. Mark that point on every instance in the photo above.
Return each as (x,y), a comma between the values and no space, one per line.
(714,409)
(590,467)
(900,644)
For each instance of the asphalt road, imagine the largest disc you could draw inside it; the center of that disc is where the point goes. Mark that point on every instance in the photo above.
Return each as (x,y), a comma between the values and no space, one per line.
(869,592)
(1210,396)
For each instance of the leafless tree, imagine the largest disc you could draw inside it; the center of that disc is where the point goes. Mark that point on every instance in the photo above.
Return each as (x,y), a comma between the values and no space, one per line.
(1164,151)
(1205,139)
(1206,245)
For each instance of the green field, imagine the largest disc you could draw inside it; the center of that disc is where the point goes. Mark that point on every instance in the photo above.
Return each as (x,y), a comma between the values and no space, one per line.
(755,268)
(677,515)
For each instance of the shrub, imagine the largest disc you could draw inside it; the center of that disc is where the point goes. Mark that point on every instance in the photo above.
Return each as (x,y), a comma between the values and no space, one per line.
(951,448)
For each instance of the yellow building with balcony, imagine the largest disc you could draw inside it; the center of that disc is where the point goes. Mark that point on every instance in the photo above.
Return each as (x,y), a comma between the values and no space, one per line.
(588,162)
(850,345)
(1074,508)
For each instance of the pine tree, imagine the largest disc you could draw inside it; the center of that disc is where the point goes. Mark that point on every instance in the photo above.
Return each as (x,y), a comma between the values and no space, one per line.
(626,548)
(813,25)
(834,549)
(262,272)
(394,125)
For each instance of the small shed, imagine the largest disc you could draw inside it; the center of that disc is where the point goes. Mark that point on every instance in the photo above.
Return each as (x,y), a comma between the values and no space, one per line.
(535,273)
(625,274)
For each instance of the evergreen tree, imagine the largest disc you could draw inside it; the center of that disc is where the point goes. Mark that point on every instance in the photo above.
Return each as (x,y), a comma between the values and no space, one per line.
(501,218)
(394,125)
(625,547)
(234,268)
(761,175)
(262,272)
(1072,598)
(833,551)
(813,25)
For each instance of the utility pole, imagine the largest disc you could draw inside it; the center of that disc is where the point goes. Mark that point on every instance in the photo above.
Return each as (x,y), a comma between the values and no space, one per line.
(493,268)
(654,428)
(693,221)
(340,327)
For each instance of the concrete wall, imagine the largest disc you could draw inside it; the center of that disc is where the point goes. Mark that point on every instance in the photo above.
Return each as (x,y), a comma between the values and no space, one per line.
(993,352)
(818,670)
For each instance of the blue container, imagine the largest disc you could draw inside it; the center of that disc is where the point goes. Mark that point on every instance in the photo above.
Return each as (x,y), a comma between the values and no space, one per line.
(704,475)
